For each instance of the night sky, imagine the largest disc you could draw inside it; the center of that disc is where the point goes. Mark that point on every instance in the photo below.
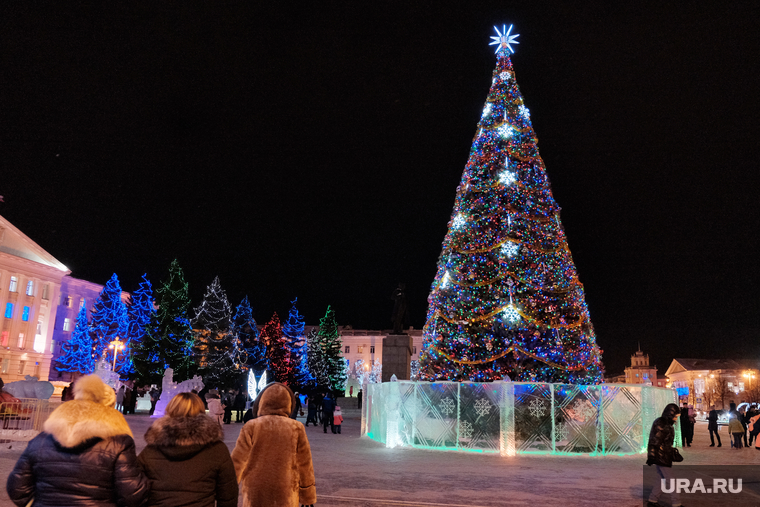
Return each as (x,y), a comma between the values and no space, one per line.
(314,152)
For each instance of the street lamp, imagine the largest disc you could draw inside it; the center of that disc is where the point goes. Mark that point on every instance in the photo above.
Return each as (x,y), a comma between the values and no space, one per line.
(749,376)
(116,345)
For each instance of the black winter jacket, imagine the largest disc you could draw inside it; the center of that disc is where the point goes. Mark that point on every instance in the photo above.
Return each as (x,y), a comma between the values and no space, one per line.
(661,436)
(85,457)
(188,464)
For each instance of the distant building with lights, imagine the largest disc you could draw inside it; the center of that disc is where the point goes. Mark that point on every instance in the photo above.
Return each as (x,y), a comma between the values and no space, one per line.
(639,372)
(363,347)
(30,283)
(706,382)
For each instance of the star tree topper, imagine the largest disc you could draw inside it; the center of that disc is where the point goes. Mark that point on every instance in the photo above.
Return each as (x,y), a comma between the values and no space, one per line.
(504,41)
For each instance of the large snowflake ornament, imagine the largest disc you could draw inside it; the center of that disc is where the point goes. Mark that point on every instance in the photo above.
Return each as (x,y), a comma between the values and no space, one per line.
(504,39)
(510,249)
(482,407)
(537,408)
(561,431)
(465,430)
(447,406)
(583,410)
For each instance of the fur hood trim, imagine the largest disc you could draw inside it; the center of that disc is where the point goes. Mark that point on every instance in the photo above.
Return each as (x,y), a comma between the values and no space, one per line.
(276,399)
(77,421)
(183,431)
(92,388)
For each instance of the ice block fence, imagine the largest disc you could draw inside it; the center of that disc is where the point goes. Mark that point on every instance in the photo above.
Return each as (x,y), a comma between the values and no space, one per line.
(513,418)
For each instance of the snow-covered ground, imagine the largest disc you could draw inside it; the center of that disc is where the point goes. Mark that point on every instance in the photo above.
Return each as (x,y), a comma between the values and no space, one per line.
(354,471)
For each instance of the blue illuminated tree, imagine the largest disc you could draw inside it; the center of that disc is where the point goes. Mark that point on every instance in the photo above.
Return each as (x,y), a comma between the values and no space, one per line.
(77,354)
(300,377)
(245,334)
(175,336)
(141,313)
(109,318)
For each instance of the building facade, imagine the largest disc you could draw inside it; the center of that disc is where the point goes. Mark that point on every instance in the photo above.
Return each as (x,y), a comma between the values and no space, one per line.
(707,382)
(30,283)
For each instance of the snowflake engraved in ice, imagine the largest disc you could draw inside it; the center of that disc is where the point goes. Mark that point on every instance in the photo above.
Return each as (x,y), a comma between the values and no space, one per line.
(583,409)
(561,431)
(608,435)
(465,430)
(482,407)
(537,408)
(447,406)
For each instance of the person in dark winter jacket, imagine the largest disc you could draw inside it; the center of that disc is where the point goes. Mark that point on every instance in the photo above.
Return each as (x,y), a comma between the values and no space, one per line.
(660,451)
(186,460)
(311,410)
(328,407)
(240,400)
(712,426)
(85,455)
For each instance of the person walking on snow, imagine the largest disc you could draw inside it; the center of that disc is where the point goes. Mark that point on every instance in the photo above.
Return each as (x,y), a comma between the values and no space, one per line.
(337,418)
(662,454)
(328,407)
(712,426)
(215,409)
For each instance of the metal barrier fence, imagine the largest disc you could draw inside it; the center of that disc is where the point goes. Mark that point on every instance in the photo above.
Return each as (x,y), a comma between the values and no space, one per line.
(23,420)
(512,418)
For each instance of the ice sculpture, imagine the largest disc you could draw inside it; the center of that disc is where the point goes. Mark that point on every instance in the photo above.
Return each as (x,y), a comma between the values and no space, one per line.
(513,418)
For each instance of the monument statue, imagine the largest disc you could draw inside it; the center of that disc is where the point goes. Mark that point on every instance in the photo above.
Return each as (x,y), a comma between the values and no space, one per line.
(400,312)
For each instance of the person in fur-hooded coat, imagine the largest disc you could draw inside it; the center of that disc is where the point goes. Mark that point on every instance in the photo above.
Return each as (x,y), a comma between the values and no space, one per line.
(186,460)
(85,456)
(272,456)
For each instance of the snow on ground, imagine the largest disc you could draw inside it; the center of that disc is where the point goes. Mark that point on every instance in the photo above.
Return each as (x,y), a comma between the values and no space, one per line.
(354,471)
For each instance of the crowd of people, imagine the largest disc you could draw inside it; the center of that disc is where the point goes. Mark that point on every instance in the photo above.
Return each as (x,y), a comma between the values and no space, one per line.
(742,426)
(86,453)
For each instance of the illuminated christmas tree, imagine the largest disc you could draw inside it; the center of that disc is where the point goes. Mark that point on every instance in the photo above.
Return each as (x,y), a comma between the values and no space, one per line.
(175,336)
(315,361)
(506,299)
(140,313)
(330,343)
(300,378)
(213,341)
(249,349)
(278,354)
(109,318)
(78,350)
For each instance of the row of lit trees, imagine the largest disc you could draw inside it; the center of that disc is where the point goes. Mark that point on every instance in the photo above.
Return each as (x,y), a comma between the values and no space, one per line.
(155,333)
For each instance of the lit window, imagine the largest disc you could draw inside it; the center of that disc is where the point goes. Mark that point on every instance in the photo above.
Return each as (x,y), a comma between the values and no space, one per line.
(45,290)
(348,349)
(4,340)
(21,341)
(67,324)
(360,349)
(68,301)
(6,365)
(14,284)
(372,349)
(30,288)
(39,327)
(8,310)
(25,314)
(81,303)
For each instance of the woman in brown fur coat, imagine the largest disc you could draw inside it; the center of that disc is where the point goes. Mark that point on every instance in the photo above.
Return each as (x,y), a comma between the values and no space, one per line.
(272,456)
(186,460)
(85,456)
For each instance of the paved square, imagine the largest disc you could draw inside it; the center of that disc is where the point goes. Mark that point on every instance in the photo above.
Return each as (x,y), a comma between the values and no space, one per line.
(354,471)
